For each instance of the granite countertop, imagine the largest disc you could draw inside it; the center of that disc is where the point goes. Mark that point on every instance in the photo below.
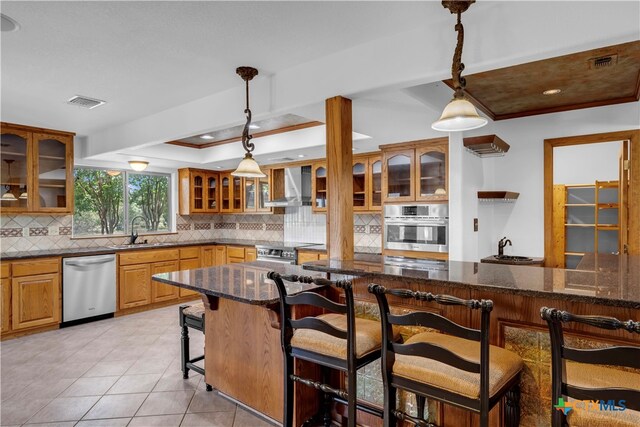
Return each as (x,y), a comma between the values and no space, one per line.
(103,250)
(496,260)
(601,279)
(357,249)
(243,282)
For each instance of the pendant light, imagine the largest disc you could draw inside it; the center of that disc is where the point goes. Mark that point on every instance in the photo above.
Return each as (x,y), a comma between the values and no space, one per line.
(459,114)
(8,196)
(248,167)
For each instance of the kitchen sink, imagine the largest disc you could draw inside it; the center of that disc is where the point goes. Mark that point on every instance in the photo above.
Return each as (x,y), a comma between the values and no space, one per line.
(513,258)
(137,245)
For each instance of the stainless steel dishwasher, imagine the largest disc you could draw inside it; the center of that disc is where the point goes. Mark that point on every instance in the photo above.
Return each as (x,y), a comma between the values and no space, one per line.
(88,288)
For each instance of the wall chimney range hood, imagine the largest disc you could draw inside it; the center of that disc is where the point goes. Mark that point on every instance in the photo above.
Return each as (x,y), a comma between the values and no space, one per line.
(297,188)
(486,146)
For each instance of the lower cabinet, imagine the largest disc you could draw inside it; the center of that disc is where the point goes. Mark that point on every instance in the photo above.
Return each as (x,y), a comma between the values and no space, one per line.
(250,254)
(235,254)
(135,285)
(310,256)
(160,291)
(5,295)
(189,264)
(35,300)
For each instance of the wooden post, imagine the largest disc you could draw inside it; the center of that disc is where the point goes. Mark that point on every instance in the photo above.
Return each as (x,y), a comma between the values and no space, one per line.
(339,179)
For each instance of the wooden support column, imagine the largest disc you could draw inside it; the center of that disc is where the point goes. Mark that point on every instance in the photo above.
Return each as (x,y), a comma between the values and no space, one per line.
(339,178)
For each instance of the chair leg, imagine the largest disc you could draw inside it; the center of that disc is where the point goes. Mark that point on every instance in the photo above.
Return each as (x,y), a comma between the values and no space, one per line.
(421,401)
(484,419)
(287,419)
(389,419)
(512,407)
(185,350)
(326,399)
(352,391)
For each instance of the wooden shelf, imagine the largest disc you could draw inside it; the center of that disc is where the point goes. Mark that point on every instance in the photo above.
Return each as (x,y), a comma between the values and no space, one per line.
(575,253)
(608,227)
(579,204)
(495,195)
(580,225)
(608,205)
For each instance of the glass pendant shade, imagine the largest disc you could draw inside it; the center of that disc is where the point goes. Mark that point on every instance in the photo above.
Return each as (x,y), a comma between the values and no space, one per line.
(459,115)
(248,168)
(8,197)
(138,165)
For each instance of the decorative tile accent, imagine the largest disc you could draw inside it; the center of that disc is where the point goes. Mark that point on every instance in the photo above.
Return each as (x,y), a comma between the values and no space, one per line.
(64,231)
(251,226)
(38,231)
(202,226)
(359,228)
(375,229)
(225,225)
(10,232)
(274,227)
(184,227)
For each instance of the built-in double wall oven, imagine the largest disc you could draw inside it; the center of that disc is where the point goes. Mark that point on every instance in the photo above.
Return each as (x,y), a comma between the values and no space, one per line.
(417,227)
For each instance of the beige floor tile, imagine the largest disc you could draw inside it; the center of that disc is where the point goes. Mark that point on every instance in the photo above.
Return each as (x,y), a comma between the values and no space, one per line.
(18,411)
(149,366)
(60,424)
(157,421)
(45,389)
(208,419)
(172,381)
(109,368)
(116,406)
(109,422)
(134,384)
(247,419)
(92,386)
(64,409)
(210,401)
(166,402)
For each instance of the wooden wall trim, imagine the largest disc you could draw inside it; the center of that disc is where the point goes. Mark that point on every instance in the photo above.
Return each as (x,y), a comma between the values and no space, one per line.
(631,135)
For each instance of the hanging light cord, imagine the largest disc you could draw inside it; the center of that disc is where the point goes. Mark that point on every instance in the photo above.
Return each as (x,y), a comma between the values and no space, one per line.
(457,66)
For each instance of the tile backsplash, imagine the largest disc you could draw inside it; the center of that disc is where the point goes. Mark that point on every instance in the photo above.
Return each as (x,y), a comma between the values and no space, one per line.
(25,232)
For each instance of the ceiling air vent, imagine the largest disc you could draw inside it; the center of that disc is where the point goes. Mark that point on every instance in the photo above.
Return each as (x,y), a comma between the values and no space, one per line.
(85,102)
(603,61)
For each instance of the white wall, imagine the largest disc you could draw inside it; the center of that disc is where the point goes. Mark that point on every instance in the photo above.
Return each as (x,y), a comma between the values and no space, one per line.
(584,164)
(521,170)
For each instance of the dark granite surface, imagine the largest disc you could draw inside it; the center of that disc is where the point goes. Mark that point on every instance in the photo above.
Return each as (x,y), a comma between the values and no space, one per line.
(244,282)
(603,279)
(495,260)
(357,249)
(102,250)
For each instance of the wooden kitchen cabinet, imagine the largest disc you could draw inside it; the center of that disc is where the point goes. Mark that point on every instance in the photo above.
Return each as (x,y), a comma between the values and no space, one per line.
(35,293)
(374,177)
(250,195)
(415,171)
(250,254)
(161,291)
(189,260)
(197,191)
(135,285)
(319,187)
(235,254)
(5,294)
(37,168)
(263,191)
(226,193)
(237,193)
(360,185)
(213,256)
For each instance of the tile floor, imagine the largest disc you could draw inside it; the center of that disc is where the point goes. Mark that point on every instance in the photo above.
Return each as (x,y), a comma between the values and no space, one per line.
(116,372)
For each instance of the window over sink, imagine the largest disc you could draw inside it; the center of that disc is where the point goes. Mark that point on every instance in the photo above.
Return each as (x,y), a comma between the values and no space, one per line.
(106,200)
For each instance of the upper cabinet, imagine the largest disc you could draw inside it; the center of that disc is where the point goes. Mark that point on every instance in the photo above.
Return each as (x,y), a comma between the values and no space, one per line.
(198,191)
(226,190)
(416,171)
(360,185)
(236,193)
(375,182)
(250,195)
(319,187)
(37,170)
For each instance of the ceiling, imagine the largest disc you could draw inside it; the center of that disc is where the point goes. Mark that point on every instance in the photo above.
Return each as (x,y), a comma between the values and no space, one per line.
(145,57)
(517,91)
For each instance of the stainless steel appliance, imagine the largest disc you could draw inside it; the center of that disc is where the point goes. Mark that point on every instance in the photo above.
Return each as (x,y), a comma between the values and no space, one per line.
(285,253)
(417,227)
(297,188)
(88,287)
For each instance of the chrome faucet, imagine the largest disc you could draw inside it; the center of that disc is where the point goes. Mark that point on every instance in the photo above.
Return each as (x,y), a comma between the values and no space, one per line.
(501,244)
(134,235)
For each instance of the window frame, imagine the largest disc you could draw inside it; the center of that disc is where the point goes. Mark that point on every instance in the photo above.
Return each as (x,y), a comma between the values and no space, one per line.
(125,217)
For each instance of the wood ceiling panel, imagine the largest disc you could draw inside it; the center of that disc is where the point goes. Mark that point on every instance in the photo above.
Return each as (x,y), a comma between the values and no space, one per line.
(517,91)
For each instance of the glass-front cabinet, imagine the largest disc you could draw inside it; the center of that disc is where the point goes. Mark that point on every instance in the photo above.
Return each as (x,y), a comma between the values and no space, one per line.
(236,193)
(398,183)
(375,183)
(212,192)
(198,191)
(360,193)
(319,187)
(431,173)
(250,195)
(37,170)
(264,185)
(226,190)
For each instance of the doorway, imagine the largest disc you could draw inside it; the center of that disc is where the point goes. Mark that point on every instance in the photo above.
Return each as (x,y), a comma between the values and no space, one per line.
(588,197)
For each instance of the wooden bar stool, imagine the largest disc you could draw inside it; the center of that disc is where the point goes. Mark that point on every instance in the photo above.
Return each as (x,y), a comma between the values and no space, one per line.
(336,340)
(580,374)
(460,369)
(191,316)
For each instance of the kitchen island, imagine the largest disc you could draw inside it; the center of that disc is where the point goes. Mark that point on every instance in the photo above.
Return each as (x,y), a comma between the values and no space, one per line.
(243,355)
(607,285)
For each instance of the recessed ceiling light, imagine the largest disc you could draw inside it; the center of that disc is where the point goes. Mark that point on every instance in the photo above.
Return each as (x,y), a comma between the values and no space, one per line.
(8,24)
(207,137)
(301,155)
(218,167)
(252,126)
(552,91)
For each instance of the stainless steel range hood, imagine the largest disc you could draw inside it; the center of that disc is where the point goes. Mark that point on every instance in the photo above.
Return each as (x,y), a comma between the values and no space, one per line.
(297,188)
